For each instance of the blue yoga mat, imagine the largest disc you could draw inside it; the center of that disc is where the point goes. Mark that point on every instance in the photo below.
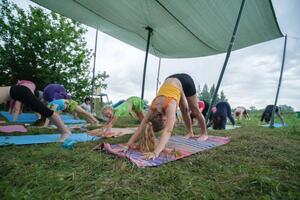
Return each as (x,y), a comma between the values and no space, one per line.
(44,138)
(276,125)
(31,117)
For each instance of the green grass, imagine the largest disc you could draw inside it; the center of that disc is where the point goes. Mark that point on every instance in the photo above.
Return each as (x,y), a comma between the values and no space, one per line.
(258,163)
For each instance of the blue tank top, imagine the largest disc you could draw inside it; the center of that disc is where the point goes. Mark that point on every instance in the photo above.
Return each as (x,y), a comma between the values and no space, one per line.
(60,102)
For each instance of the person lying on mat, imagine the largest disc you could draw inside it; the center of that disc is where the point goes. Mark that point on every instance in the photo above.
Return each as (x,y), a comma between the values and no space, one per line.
(267,114)
(132,104)
(55,91)
(23,93)
(240,112)
(70,106)
(177,90)
(219,117)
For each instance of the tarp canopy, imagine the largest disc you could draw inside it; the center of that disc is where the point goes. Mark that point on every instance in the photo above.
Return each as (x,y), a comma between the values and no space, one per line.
(181,28)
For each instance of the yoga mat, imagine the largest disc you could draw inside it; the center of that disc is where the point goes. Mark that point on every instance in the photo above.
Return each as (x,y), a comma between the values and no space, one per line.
(31,117)
(183,147)
(276,125)
(115,132)
(228,127)
(13,128)
(44,138)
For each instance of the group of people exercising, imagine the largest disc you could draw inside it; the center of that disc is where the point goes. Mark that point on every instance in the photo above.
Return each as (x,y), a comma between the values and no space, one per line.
(177,91)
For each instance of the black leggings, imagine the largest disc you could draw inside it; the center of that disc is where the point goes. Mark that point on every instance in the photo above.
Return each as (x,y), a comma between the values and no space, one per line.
(187,83)
(24,95)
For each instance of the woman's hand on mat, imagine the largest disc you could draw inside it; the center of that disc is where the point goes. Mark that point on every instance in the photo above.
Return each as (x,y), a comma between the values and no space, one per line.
(150,155)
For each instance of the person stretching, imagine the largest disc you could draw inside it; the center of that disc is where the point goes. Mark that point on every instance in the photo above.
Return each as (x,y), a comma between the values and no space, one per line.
(177,90)
(70,106)
(22,93)
(267,114)
(132,104)
(219,117)
(241,112)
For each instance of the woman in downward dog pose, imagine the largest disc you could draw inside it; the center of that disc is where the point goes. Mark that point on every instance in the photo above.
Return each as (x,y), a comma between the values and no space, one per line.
(177,90)
(22,93)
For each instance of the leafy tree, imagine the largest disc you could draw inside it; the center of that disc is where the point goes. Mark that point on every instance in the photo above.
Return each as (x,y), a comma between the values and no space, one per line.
(211,93)
(45,48)
(286,109)
(205,93)
(222,96)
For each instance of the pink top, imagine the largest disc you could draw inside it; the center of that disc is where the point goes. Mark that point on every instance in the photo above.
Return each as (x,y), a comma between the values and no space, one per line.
(201,105)
(30,85)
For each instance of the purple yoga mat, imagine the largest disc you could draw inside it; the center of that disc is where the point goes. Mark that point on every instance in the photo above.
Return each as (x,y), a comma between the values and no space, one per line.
(12,128)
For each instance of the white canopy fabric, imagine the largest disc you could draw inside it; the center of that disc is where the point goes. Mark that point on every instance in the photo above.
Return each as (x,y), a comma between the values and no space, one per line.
(181,28)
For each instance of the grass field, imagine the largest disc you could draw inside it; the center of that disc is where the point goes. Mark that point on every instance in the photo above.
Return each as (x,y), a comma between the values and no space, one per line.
(258,163)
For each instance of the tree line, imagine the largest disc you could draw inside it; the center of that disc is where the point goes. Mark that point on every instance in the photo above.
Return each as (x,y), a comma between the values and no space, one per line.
(206,94)
(45,47)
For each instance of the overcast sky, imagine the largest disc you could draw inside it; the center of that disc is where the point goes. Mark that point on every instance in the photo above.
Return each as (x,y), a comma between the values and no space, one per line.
(251,77)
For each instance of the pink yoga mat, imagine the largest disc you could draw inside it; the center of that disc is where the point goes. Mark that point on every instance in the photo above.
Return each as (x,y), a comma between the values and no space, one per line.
(12,128)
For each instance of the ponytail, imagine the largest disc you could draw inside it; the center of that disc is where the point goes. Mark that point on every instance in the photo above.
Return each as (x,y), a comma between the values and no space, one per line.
(146,142)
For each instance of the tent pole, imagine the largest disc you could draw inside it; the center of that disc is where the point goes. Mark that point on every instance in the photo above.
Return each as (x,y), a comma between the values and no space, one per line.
(93,77)
(158,72)
(226,59)
(149,29)
(279,83)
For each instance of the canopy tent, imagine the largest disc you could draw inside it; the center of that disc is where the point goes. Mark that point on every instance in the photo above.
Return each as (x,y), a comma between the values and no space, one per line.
(181,28)
(176,28)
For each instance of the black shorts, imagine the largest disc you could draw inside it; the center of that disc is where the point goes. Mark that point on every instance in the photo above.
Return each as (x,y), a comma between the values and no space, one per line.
(24,95)
(187,83)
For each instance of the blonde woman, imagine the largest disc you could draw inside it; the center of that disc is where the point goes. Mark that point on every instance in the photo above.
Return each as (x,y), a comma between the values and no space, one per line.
(177,90)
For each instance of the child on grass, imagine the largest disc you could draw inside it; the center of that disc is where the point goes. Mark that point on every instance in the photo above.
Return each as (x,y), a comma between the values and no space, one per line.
(132,104)
(70,106)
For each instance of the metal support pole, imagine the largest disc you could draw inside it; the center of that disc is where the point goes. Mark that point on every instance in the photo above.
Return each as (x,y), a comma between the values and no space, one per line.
(279,83)
(226,59)
(158,72)
(93,77)
(149,29)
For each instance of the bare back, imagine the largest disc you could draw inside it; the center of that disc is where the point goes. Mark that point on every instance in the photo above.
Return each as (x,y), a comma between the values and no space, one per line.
(4,94)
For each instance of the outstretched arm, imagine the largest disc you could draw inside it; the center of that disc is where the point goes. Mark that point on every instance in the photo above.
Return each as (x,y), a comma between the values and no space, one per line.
(108,126)
(229,115)
(16,110)
(54,108)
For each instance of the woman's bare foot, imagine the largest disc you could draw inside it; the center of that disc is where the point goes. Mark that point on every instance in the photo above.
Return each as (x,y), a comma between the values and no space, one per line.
(202,137)
(189,135)
(64,136)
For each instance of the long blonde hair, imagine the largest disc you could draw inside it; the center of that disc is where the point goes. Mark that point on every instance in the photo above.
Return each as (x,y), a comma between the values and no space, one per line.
(146,142)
